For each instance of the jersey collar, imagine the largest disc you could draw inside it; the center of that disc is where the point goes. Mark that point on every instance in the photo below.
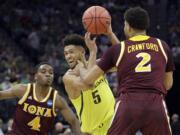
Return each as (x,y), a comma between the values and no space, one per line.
(139,38)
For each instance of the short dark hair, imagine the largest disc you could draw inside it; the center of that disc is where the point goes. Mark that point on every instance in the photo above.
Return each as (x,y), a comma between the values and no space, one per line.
(41,63)
(74,39)
(137,18)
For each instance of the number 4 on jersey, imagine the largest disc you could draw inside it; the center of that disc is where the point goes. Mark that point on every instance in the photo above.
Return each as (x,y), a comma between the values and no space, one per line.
(35,124)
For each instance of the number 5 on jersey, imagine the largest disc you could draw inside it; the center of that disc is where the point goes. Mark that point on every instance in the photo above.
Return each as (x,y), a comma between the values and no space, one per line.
(35,124)
(96,97)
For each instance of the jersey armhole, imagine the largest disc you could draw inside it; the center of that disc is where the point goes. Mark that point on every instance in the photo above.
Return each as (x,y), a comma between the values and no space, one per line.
(122,46)
(54,102)
(162,49)
(24,97)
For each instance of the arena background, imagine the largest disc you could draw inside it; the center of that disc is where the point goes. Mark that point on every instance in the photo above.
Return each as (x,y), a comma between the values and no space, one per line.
(31,31)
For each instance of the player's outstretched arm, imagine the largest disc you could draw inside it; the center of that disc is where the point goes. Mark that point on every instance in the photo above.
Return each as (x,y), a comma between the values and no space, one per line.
(68,114)
(16,91)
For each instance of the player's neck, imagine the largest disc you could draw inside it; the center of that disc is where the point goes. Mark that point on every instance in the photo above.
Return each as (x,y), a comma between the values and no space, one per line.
(138,33)
(41,89)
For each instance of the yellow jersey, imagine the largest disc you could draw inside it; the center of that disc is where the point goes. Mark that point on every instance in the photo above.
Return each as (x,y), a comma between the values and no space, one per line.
(95,108)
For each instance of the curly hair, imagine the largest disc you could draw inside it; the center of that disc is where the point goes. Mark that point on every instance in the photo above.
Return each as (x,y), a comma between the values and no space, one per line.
(137,18)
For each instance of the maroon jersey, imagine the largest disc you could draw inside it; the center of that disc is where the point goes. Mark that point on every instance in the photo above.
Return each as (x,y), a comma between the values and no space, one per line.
(33,117)
(141,64)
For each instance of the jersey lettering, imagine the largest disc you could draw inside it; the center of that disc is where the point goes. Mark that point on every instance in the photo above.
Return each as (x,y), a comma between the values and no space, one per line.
(37,110)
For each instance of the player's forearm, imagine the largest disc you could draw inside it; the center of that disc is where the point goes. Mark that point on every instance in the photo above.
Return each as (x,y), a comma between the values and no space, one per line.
(75,127)
(6,95)
(113,38)
(92,59)
(83,74)
(91,75)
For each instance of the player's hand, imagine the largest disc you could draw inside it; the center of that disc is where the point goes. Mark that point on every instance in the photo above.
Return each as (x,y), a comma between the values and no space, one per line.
(83,60)
(90,43)
(80,65)
(109,32)
(73,72)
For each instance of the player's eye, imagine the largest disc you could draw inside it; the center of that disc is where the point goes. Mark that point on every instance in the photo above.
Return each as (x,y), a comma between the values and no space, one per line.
(71,51)
(51,72)
(43,71)
(65,53)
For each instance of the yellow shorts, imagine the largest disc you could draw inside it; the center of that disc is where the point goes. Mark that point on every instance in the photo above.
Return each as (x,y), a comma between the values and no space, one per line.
(102,129)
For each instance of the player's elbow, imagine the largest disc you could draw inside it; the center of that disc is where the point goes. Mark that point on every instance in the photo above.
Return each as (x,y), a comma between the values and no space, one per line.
(168,85)
(168,80)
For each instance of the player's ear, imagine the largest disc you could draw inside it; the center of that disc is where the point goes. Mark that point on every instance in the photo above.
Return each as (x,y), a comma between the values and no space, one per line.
(81,49)
(35,77)
(129,28)
(83,52)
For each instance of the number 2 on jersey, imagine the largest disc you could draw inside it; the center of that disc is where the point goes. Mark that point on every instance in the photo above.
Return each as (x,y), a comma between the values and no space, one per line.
(142,66)
(35,124)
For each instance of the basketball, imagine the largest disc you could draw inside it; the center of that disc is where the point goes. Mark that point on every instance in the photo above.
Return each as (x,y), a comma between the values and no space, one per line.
(96,20)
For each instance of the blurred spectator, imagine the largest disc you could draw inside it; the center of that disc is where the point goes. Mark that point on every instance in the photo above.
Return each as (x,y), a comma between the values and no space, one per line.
(60,129)
(175,124)
(67,131)
(9,124)
(1,127)
(6,84)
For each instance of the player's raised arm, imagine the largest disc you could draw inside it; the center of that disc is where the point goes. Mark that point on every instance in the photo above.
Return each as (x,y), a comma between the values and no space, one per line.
(16,91)
(111,35)
(85,74)
(91,45)
(68,114)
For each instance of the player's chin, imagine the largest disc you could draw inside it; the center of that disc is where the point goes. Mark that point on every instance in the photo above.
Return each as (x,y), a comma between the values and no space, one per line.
(48,83)
(72,65)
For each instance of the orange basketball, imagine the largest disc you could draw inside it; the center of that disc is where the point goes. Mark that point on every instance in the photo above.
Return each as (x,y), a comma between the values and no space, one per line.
(96,20)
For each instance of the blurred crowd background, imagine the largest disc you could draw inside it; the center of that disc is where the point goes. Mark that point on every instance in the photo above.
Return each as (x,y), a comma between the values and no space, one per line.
(31,31)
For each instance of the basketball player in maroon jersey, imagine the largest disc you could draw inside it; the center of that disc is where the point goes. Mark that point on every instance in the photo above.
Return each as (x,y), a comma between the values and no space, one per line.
(145,73)
(37,105)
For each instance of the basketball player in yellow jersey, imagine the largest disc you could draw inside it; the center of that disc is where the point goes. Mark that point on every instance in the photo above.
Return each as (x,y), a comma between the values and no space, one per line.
(37,105)
(94,104)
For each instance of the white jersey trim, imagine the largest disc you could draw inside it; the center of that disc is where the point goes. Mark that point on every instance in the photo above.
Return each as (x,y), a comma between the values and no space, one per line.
(121,53)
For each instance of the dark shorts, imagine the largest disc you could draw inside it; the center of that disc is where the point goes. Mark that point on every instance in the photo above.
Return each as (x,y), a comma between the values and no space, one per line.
(14,133)
(146,112)
(11,133)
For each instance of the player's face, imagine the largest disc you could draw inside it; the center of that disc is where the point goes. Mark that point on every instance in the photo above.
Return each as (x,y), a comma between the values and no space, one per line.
(45,75)
(126,29)
(72,55)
